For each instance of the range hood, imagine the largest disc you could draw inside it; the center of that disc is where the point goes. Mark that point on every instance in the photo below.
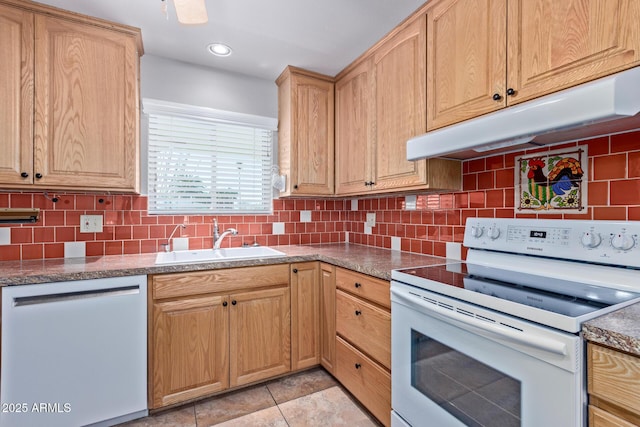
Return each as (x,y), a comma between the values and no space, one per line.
(607,105)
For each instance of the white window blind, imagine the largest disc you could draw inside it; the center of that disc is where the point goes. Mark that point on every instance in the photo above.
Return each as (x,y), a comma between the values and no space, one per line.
(199,165)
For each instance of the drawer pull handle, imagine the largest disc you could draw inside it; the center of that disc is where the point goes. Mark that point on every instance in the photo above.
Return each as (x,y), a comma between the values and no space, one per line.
(358,285)
(358,366)
(358,312)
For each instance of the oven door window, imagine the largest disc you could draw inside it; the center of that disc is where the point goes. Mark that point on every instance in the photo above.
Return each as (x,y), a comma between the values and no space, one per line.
(471,391)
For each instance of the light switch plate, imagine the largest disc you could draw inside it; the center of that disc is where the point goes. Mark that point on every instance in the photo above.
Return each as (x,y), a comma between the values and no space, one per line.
(278,228)
(91,223)
(5,236)
(410,202)
(371,219)
(395,243)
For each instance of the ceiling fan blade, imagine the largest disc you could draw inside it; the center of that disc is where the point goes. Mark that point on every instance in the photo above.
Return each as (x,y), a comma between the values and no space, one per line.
(191,12)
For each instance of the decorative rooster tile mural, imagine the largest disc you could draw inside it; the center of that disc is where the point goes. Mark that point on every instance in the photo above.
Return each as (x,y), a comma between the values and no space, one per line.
(552,182)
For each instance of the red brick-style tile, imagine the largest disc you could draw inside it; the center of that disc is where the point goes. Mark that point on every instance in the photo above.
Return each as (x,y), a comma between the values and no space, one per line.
(597,146)
(629,141)
(634,213)
(633,167)
(613,166)
(504,178)
(618,213)
(625,192)
(21,200)
(33,251)
(94,248)
(10,253)
(21,235)
(54,250)
(44,234)
(486,180)
(476,165)
(598,193)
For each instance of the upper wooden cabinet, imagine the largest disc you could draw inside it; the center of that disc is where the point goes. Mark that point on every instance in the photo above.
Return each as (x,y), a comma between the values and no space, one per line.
(380,104)
(355,132)
(483,55)
(72,121)
(305,132)
(16,87)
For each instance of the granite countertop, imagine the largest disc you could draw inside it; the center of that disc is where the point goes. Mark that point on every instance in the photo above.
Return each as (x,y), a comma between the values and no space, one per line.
(375,262)
(619,330)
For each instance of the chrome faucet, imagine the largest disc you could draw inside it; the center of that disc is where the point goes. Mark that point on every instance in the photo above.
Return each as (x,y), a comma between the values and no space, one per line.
(217,237)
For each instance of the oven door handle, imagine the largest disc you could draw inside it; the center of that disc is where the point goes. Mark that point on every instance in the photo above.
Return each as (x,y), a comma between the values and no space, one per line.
(487,329)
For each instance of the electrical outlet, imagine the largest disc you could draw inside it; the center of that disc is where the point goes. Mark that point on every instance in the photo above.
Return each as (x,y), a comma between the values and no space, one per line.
(371,219)
(91,223)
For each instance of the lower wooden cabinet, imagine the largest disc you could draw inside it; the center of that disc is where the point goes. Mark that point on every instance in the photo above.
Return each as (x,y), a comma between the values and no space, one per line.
(190,348)
(363,340)
(365,379)
(613,383)
(305,315)
(209,331)
(328,317)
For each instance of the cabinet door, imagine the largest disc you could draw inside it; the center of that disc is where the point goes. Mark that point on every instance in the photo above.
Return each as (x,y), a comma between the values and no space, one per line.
(190,349)
(305,315)
(260,328)
(86,96)
(16,102)
(355,119)
(312,146)
(557,44)
(400,73)
(328,317)
(466,59)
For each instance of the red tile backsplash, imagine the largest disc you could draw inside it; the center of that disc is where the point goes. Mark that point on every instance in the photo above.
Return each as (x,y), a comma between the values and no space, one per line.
(488,191)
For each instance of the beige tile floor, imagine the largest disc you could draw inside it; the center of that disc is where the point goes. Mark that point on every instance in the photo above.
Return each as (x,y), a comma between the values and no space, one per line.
(307,399)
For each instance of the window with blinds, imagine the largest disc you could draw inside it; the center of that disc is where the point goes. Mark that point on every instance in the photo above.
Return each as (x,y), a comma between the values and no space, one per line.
(200,165)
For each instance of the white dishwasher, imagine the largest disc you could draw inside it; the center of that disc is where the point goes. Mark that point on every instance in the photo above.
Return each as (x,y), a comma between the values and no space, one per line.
(74,353)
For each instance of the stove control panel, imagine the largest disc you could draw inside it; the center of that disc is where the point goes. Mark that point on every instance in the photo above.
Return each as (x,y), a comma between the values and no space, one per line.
(608,242)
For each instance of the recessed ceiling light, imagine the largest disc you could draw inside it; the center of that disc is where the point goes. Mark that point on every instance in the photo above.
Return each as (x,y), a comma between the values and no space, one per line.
(219,49)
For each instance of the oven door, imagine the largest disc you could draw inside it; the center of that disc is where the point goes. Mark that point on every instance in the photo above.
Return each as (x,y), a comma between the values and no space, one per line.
(457,364)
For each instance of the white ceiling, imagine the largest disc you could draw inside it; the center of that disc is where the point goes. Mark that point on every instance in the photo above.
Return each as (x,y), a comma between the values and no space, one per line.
(323,36)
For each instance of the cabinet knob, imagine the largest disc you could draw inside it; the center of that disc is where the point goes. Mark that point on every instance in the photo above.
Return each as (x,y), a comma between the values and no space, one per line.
(358,366)
(357,285)
(358,312)
(372,183)
(511,92)
(497,97)
(24,175)
(38,175)
(295,270)
(234,302)
(295,187)
(224,303)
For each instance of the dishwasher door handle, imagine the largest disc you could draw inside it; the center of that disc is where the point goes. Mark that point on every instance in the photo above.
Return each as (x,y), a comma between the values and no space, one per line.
(71,296)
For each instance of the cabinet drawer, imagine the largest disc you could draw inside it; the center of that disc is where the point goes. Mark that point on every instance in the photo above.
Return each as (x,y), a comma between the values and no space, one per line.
(214,281)
(368,287)
(600,418)
(614,377)
(364,325)
(365,379)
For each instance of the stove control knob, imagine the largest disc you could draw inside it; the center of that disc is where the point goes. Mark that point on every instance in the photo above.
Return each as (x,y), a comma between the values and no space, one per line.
(493,232)
(591,240)
(476,231)
(622,242)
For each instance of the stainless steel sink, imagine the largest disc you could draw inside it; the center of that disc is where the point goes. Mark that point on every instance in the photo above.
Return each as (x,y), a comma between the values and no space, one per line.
(211,255)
